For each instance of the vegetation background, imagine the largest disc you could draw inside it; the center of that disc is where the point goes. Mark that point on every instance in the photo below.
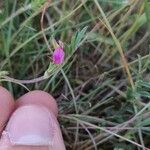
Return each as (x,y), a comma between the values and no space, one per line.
(103,86)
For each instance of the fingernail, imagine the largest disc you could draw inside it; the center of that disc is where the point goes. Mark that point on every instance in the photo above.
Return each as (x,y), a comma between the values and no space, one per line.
(31,125)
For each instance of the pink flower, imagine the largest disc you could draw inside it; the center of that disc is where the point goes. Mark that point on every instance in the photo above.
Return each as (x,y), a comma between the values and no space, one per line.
(58,55)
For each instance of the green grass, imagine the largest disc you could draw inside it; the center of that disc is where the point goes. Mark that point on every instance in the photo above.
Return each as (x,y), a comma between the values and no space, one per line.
(103,86)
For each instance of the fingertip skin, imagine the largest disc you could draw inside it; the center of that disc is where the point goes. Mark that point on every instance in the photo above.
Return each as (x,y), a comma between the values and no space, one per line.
(6,106)
(33,125)
(38,97)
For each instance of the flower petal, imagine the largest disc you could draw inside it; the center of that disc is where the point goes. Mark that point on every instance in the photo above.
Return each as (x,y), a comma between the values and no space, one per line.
(58,56)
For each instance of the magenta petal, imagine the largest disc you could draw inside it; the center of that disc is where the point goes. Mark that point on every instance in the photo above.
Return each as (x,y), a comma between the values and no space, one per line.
(58,56)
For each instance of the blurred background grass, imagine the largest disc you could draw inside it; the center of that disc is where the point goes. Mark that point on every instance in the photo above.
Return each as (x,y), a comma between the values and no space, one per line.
(99,106)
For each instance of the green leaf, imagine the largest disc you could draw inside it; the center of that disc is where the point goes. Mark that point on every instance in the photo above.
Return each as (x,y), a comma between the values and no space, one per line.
(144,94)
(73,40)
(144,84)
(77,39)
(37,3)
(115,3)
(80,36)
(145,122)
(147,12)
(129,94)
(139,22)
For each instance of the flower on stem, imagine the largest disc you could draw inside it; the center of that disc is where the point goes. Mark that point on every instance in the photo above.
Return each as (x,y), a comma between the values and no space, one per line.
(58,55)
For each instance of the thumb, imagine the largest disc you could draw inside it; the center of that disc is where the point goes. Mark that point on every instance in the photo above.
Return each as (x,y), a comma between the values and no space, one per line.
(33,126)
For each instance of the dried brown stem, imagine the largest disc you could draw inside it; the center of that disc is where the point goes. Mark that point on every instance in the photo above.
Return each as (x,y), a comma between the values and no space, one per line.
(26,81)
(42,26)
